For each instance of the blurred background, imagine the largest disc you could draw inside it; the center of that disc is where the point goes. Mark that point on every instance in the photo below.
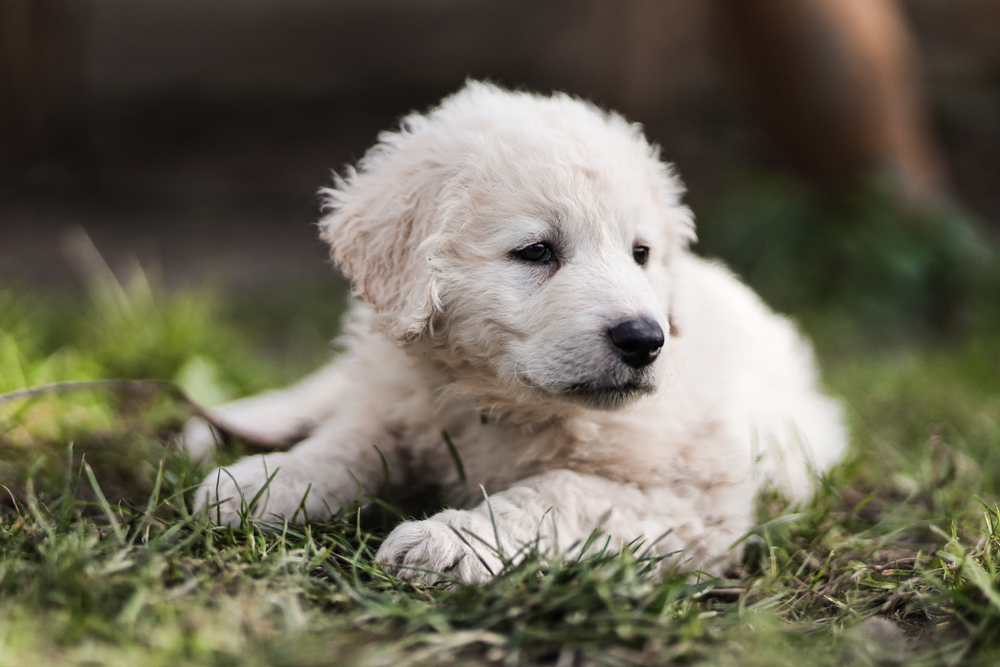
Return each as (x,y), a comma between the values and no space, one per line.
(192,135)
(843,156)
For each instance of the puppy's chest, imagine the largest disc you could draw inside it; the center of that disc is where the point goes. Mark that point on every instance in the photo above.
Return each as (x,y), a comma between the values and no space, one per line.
(467,454)
(492,455)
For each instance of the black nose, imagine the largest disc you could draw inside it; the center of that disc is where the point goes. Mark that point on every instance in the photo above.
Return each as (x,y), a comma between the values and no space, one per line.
(637,341)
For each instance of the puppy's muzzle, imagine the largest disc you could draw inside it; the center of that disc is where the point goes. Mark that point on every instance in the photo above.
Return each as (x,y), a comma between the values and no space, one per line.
(637,342)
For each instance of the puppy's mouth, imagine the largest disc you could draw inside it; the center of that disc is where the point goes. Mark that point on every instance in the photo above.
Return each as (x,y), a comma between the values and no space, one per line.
(608,396)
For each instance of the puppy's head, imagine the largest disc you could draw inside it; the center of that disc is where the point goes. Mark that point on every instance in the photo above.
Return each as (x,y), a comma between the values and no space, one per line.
(526,240)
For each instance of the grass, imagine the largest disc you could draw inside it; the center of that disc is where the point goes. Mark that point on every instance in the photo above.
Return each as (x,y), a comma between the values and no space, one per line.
(896,561)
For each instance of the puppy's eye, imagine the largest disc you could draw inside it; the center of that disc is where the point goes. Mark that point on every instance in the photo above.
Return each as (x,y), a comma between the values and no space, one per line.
(640,254)
(536,252)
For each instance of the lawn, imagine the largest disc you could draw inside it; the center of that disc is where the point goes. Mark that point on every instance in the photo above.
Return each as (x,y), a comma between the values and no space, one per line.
(896,561)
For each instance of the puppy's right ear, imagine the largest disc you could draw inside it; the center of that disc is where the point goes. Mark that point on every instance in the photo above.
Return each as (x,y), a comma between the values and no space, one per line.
(384,230)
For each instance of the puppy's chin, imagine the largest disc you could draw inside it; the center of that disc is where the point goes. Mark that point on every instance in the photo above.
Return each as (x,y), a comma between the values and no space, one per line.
(599,396)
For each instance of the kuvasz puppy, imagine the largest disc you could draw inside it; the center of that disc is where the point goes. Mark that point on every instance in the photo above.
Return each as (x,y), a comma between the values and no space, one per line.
(532,332)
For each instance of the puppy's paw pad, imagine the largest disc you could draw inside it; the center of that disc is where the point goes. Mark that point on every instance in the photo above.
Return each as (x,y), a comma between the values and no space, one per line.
(434,551)
(227,492)
(224,497)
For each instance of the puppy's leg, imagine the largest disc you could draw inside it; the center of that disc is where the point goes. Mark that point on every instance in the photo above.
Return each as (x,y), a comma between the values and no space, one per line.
(284,415)
(558,511)
(343,458)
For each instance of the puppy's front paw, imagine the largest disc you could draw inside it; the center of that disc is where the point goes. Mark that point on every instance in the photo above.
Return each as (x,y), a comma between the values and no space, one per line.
(452,544)
(280,485)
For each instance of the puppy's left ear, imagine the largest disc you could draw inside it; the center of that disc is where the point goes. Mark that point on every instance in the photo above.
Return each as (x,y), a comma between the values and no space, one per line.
(384,231)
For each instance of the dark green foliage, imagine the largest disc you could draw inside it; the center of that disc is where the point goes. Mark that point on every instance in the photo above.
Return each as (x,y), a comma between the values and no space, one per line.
(902,269)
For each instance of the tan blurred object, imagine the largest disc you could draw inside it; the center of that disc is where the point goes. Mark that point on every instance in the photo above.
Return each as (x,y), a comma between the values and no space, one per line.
(840,84)
(35,79)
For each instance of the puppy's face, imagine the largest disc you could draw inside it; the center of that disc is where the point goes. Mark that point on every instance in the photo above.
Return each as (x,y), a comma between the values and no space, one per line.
(525,241)
(553,273)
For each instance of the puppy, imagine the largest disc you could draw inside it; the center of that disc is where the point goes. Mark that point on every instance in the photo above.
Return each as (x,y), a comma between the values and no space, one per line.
(532,332)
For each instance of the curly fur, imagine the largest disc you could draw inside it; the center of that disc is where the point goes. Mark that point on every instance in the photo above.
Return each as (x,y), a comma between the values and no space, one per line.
(453,332)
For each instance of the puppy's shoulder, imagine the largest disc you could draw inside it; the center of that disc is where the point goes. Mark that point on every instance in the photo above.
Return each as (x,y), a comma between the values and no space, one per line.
(370,357)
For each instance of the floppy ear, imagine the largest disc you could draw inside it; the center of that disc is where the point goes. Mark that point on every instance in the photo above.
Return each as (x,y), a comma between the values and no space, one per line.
(384,230)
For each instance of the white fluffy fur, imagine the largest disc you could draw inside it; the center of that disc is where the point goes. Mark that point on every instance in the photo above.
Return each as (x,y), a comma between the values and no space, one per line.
(453,333)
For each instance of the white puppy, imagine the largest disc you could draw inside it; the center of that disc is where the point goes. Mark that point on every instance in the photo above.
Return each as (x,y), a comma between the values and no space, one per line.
(526,289)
